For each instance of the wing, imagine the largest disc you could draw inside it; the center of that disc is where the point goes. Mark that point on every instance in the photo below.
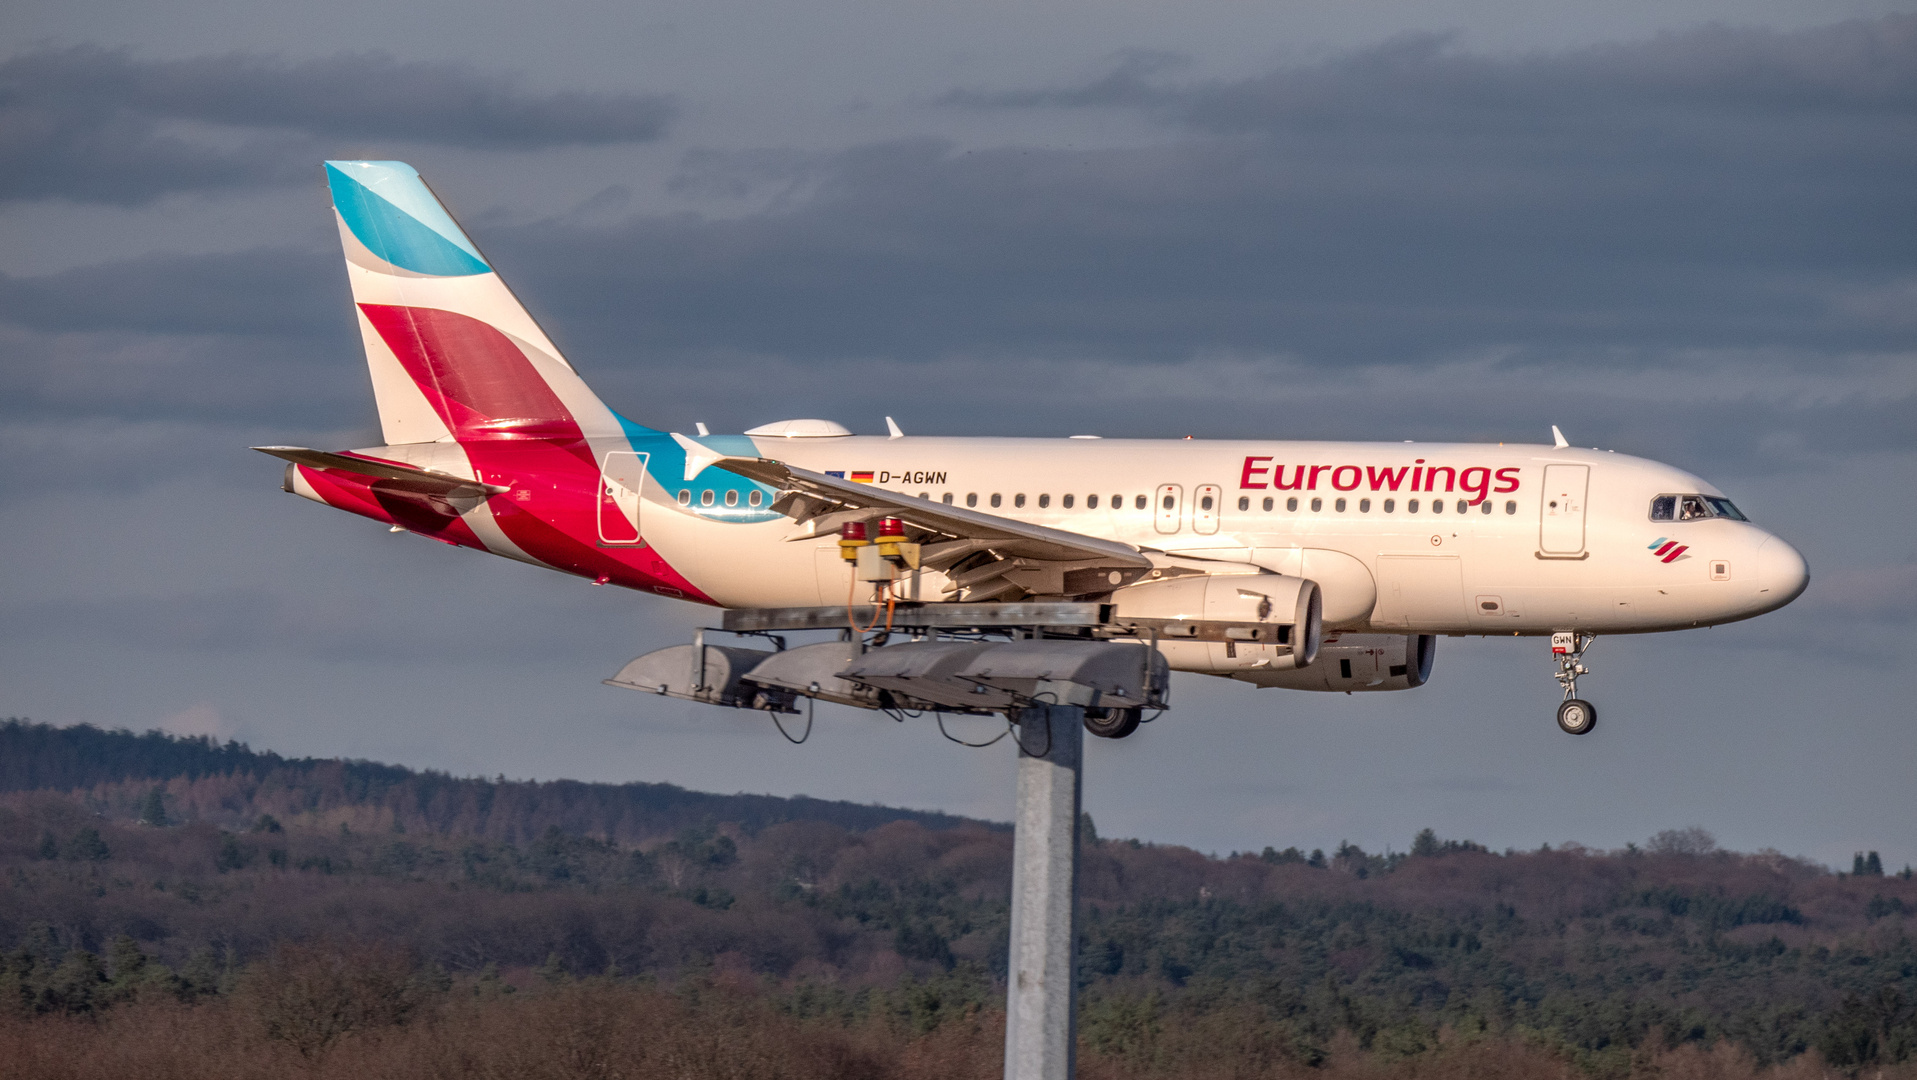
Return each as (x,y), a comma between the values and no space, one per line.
(985,556)
(402,477)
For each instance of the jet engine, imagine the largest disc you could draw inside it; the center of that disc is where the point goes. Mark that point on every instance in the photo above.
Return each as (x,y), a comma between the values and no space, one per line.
(1355,662)
(1223,623)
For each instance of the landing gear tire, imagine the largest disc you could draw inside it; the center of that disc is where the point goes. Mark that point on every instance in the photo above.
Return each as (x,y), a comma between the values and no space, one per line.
(1576,716)
(1111,723)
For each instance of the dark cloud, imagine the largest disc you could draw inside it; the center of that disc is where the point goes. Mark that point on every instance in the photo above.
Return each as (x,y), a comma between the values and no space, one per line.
(98,125)
(1647,241)
(270,290)
(1417,80)
(1716,189)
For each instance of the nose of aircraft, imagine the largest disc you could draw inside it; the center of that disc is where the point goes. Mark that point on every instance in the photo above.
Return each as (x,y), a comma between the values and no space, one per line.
(1782,574)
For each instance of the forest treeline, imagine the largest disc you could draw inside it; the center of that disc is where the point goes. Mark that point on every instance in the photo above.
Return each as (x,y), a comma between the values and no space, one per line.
(230,783)
(296,922)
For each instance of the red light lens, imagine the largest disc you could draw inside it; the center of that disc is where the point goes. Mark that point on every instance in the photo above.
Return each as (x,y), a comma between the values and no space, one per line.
(891,527)
(852,530)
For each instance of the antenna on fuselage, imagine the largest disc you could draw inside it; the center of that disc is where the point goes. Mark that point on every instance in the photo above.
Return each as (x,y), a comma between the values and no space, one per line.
(1557,438)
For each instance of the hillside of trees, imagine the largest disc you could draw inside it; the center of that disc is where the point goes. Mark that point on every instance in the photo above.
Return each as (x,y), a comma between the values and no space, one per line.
(312,917)
(231,784)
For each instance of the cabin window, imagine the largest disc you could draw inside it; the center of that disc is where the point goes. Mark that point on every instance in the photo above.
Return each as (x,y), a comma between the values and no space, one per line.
(1463,506)
(1437,506)
(1065,501)
(1511,506)
(1485,506)
(1171,502)
(757,498)
(1019,499)
(997,499)
(1140,503)
(1339,506)
(1091,502)
(971,498)
(1205,503)
(1118,502)
(1269,503)
(1390,506)
(1044,501)
(1364,506)
(1411,506)
(732,498)
(1317,505)
(946,498)
(1244,502)
(685,497)
(705,497)
(1291,504)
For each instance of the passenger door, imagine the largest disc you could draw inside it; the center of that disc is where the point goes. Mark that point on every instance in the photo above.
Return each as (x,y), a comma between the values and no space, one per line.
(1167,505)
(620,483)
(1561,514)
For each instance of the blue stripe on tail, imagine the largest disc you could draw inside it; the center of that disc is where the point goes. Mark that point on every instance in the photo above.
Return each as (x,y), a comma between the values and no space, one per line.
(402,223)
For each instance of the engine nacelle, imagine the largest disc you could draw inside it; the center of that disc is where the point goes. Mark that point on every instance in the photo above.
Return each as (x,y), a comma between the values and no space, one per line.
(1225,623)
(711,674)
(1350,663)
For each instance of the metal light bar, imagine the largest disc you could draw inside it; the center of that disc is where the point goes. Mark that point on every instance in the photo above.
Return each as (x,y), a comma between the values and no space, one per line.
(917,616)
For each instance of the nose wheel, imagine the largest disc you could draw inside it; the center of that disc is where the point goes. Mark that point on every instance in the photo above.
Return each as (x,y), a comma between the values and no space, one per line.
(1576,716)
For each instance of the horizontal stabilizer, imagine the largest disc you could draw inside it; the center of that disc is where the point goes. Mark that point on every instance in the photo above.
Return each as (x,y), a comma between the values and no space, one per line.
(423,481)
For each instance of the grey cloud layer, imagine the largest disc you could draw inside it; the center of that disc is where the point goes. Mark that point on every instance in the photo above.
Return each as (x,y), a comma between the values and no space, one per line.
(92,124)
(1723,205)
(1419,80)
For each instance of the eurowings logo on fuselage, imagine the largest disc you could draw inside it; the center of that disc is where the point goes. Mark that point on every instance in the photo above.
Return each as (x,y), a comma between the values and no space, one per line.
(1668,550)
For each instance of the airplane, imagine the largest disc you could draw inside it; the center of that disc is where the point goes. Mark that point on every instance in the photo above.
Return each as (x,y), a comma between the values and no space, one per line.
(1318,566)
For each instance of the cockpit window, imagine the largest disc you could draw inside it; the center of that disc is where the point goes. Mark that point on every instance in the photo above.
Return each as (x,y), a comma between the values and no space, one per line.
(1725,509)
(1693,508)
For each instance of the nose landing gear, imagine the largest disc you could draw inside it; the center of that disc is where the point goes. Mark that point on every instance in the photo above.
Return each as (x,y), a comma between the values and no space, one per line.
(1576,716)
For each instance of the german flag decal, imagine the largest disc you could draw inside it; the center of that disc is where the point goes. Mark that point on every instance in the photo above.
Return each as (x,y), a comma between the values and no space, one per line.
(862,477)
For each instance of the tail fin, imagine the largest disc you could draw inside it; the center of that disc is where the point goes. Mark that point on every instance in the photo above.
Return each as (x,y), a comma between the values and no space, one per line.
(452,351)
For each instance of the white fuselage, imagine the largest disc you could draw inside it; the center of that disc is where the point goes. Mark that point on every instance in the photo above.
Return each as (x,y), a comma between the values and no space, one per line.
(1402,537)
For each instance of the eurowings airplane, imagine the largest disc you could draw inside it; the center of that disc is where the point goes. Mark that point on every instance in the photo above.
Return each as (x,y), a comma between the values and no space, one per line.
(1327,566)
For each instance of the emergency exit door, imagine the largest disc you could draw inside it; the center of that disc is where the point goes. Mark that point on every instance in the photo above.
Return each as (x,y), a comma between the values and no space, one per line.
(620,483)
(1167,507)
(1208,499)
(1561,520)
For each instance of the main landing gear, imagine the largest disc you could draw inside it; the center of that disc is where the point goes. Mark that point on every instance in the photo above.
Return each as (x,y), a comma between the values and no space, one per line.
(1112,723)
(1576,716)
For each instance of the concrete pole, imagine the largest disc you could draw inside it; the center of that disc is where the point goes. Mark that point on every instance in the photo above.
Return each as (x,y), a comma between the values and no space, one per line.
(1041,1025)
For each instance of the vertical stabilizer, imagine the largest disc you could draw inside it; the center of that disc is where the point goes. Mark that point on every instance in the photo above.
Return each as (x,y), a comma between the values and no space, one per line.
(453,353)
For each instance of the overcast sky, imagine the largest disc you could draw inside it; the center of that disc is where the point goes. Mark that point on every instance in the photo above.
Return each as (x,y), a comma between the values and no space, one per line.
(1685,230)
